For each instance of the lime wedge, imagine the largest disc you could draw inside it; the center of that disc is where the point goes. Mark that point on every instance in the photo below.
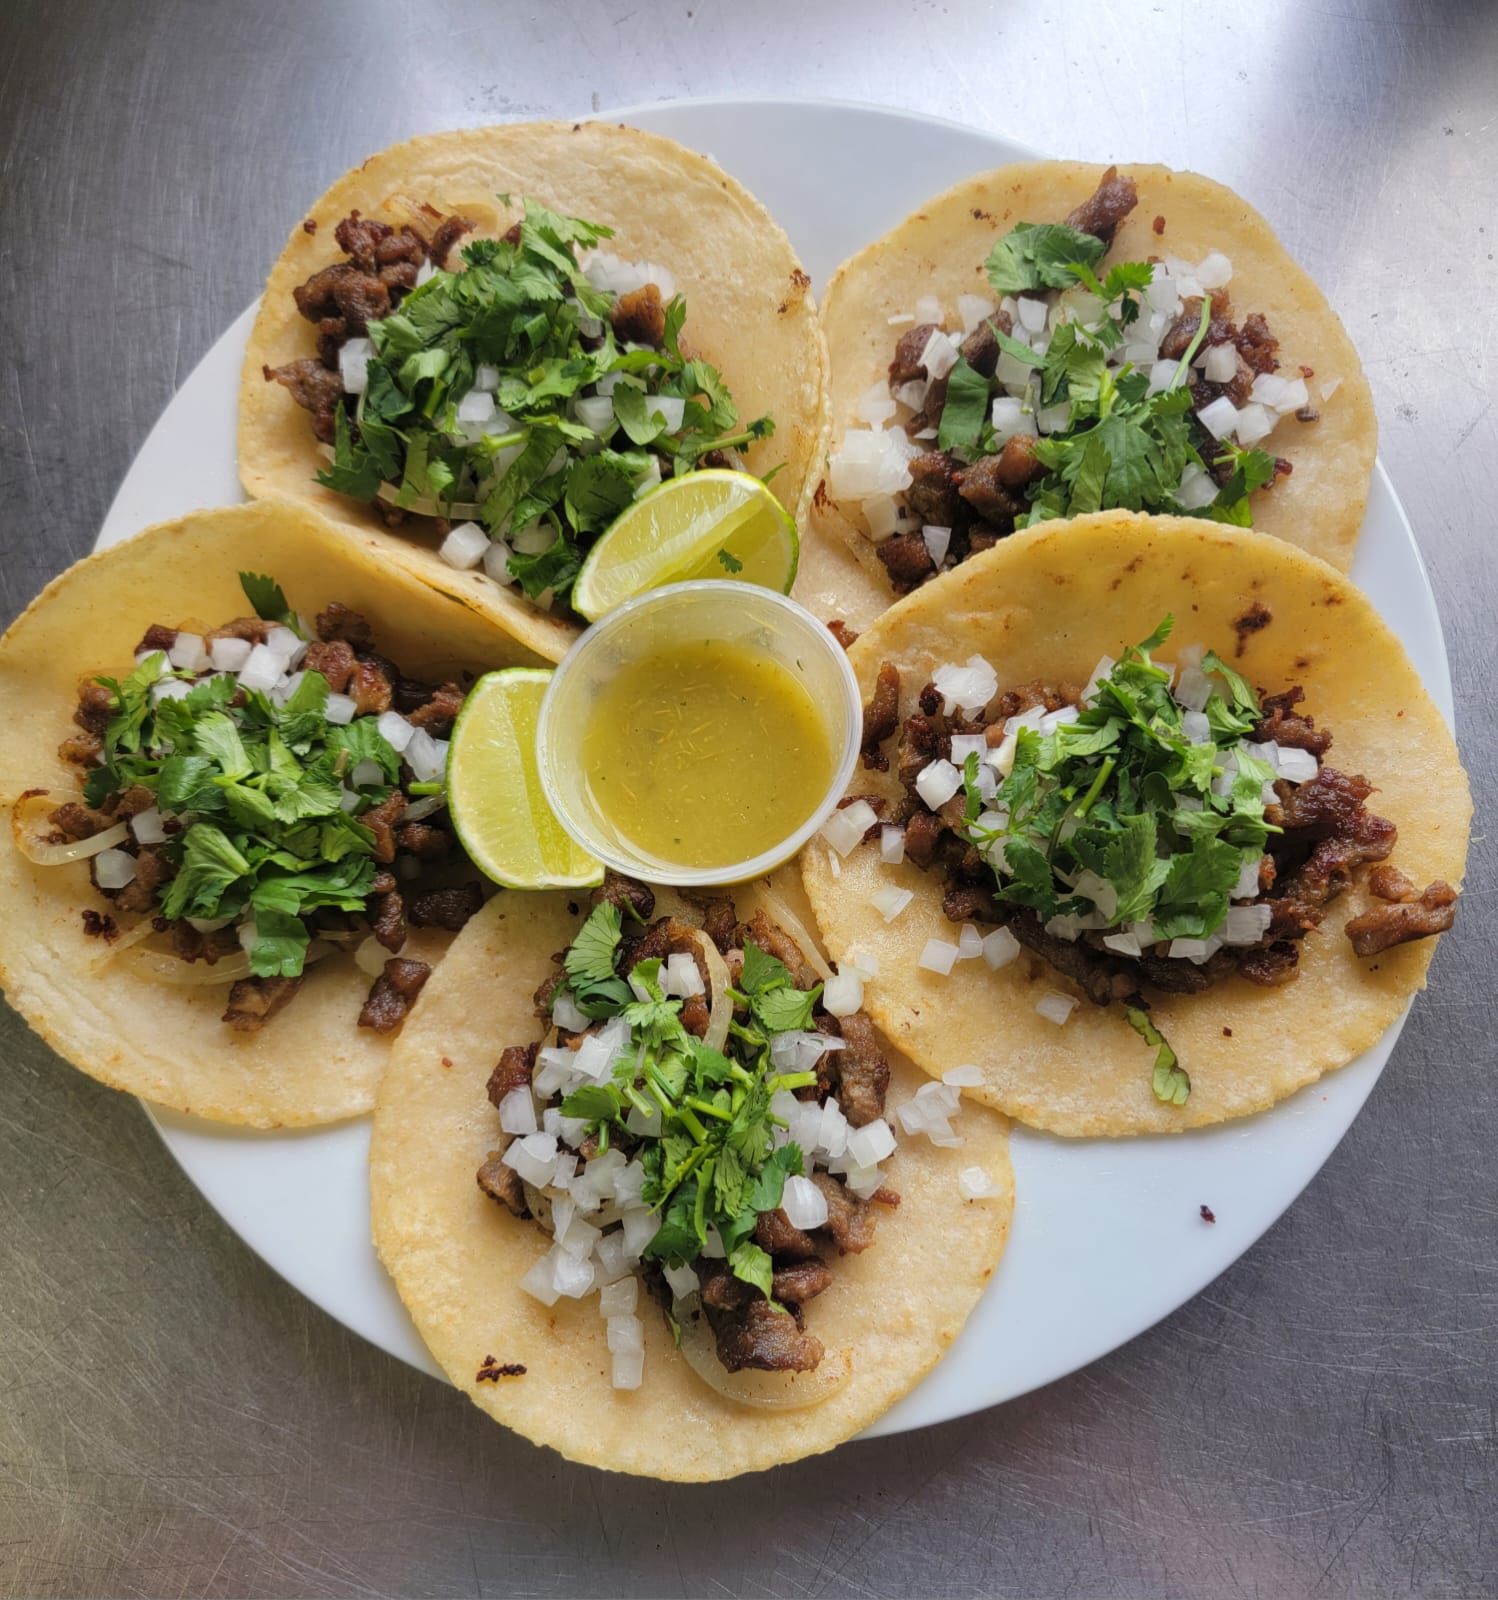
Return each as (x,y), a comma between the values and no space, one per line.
(709,524)
(494,790)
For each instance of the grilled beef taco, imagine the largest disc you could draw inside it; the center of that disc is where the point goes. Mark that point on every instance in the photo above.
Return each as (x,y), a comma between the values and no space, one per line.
(1052,338)
(1157,824)
(480,346)
(229,867)
(716,1224)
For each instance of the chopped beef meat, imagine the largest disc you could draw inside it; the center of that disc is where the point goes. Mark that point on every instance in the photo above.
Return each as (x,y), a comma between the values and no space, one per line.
(934,494)
(156,637)
(1389,883)
(844,635)
(383,883)
(850,1220)
(921,743)
(1102,977)
(95,705)
(381,821)
(1285,726)
(774,1233)
(631,898)
(1256,345)
(334,660)
(387,919)
(1270,965)
(775,941)
(188,944)
(1327,814)
(447,234)
(339,621)
(254,630)
(929,416)
(369,687)
(439,712)
(696,1017)
(79,821)
(667,937)
(639,317)
(1383,926)
(800,1283)
(907,367)
(907,560)
(513,1071)
(314,388)
(981,349)
(99,925)
(393,994)
(970,902)
(424,840)
(546,991)
(881,716)
(82,749)
(503,1183)
(130,802)
(372,245)
(757,1335)
(1103,210)
(152,869)
(984,486)
(922,837)
(1017,464)
(1177,338)
(446,908)
(862,1071)
(720,922)
(254,1001)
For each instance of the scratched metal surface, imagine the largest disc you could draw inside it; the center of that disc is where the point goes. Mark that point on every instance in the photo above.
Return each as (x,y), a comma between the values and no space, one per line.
(175,1421)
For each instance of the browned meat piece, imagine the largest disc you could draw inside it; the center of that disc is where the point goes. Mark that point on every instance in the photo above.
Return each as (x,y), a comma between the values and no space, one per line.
(1176,976)
(99,925)
(639,317)
(393,994)
(933,495)
(398,276)
(862,1071)
(383,883)
(152,869)
(335,661)
(907,367)
(82,749)
(1272,965)
(1283,724)
(1017,463)
(316,298)
(446,908)
(667,937)
(156,638)
(381,821)
(369,687)
(1103,978)
(1383,926)
(343,290)
(79,821)
(720,922)
(840,631)
(1389,883)
(95,706)
(546,991)
(503,1183)
(981,350)
(970,902)
(696,1017)
(773,1232)
(313,388)
(447,234)
(881,716)
(513,1071)
(985,488)
(1103,210)
(800,1283)
(387,919)
(1178,336)
(130,802)
(1257,346)
(189,945)
(1026,697)
(254,1001)
(439,712)
(339,621)
(373,245)
(775,941)
(907,560)
(424,840)
(254,629)
(850,1220)
(1329,813)
(921,743)
(757,1335)
(632,899)
(922,836)
(929,416)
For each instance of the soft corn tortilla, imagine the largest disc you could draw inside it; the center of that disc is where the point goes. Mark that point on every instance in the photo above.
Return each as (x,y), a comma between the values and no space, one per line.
(749,309)
(310,1063)
(457,1257)
(1047,604)
(940,250)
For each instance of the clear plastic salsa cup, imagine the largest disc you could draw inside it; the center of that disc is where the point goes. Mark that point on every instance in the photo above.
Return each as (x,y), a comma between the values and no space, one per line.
(758,621)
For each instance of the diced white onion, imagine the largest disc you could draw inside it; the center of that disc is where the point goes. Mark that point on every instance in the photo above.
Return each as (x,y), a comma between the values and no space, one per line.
(1099,673)
(353,365)
(113,869)
(1056,1007)
(229,655)
(1195,951)
(939,356)
(1162,375)
(1246,924)
(890,902)
(1008,416)
(627,1369)
(937,783)
(972,309)
(913,394)
(1054,419)
(974,1183)
(870,1144)
(365,773)
(900,318)
(842,994)
(394,729)
(426,756)
(681,977)
(967,688)
(517,1111)
(571,1275)
(263,670)
(876,406)
(340,710)
(967,1077)
(1032,313)
(188,653)
(928,309)
(1124,944)
(845,827)
(1000,948)
(938,956)
(146,826)
(683,1281)
(891,845)
(1219,418)
(1254,424)
(1297,766)
(537,1281)
(620,1298)
(1219,363)
(626,1333)
(937,542)
(534,1157)
(804,1204)
(1215,272)
(464,546)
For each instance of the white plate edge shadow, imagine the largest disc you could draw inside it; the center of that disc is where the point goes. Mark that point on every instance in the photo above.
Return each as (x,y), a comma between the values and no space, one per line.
(1107,1237)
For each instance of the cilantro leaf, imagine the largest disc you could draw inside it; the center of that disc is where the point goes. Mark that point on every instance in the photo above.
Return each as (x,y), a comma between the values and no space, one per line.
(769,1187)
(1168,1078)
(965,409)
(280,944)
(1040,256)
(729,562)
(761,971)
(590,961)
(785,1010)
(269,601)
(751,1265)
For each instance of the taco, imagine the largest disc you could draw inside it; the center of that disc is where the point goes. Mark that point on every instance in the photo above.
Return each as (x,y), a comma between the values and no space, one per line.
(1052,338)
(229,867)
(691,1109)
(480,346)
(1160,821)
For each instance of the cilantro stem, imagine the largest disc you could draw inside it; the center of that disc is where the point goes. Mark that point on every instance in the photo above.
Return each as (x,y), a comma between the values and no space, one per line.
(792,1080)
(638,1101)
(421,788)
(708,1109)
(1088,799)
(1196,343)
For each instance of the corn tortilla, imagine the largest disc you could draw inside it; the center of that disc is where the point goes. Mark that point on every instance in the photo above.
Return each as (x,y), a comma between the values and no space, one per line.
(940,250)
(457,1257)
(1048,604)
(311,1063)
(749,310)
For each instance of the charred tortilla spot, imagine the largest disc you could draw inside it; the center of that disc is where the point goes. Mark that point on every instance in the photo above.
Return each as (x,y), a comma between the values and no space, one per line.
(492,1371)
(1250,622)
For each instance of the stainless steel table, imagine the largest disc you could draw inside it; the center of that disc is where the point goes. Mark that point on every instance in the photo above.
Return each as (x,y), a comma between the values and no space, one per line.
(175,1421)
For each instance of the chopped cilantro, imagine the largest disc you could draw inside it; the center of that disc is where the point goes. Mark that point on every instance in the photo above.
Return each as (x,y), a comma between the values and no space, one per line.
(1168,1078)
(729,562)
(269,601)
(1040,256)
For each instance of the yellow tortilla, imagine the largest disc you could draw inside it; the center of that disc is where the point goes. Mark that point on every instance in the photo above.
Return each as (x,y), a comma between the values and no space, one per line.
(1047,604)
(456,1256)
(940,250)
(749,310)
(310,1063)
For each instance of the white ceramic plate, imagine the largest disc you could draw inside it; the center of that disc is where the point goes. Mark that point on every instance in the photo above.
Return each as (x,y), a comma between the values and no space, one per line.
(1107,1234)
